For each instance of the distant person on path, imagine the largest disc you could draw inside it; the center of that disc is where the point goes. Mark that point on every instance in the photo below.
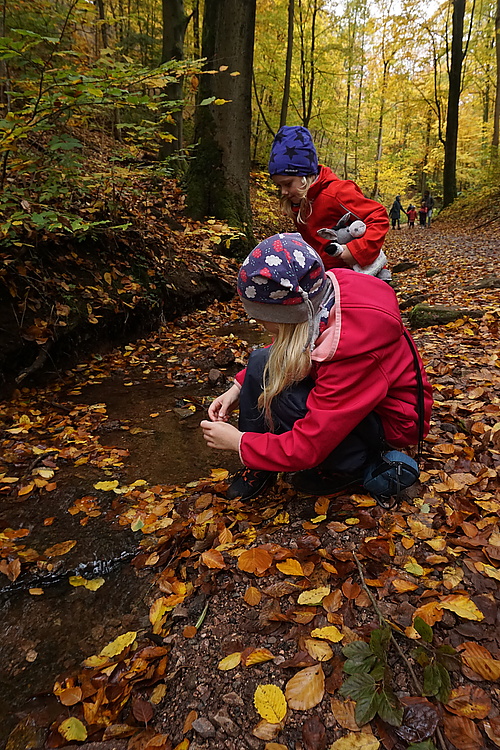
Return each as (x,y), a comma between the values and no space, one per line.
(422,214)
(395,212)
(429,203)
(336,387)
(411,213)
(315,198)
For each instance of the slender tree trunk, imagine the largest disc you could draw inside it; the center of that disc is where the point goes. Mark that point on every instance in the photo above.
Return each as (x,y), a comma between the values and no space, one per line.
(495,141)
(380,133)
(455,80)
(104,27)
(196,30)
(288,65)
(218,176)
(174,28)
(423,184)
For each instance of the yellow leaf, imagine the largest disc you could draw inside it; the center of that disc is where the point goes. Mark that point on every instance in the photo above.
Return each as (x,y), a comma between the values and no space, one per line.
(119,644)
(230,662)
(158,694)
(401,585)
(107,486)
(283,517)
(274,746)
(290,567)
(258,656)
(306,688)
(462,606)
(73,729)
(91,585)
(356,741)
(319,650)
(414,568)
(330,633)
(488,570)
(270,703)
(219,474)
(107,278)
(313,596)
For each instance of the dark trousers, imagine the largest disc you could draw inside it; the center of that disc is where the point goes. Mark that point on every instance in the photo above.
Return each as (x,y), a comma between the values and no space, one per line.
(353,454)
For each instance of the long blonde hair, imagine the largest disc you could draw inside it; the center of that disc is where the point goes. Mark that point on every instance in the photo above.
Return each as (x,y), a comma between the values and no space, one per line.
(305,206)
(288,363)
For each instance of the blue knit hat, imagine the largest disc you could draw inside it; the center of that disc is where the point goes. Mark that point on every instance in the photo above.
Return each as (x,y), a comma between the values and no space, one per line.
(282,280)
(293,152)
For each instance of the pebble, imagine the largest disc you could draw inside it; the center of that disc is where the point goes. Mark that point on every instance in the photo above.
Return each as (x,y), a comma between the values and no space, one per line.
(233,699)
(204,727)
(226,724)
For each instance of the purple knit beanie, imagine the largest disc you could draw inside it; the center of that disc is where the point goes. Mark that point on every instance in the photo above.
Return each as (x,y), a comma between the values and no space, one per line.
(293,152)
(282,280)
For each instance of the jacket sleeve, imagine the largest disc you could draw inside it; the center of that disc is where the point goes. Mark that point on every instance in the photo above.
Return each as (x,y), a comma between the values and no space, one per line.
(366,249)
(344,393)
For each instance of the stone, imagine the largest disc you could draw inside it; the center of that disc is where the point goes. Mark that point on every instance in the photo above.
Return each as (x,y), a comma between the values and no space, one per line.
(226,724)
(233,699)
(424,315)
(405,265)
(214,375)
(204,727)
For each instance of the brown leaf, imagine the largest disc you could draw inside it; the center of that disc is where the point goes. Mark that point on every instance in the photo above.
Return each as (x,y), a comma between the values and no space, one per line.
(266,731)
(255,560)
(492,729)
(343,712)
(314,734)
(60,549)
(142,710)
(469,701)
(71,696)
(189,631)
(463,733)
(351,590)
(333,601)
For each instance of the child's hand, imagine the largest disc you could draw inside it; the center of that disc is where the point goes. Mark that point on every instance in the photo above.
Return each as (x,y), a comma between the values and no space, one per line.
(220,409)
(221,435)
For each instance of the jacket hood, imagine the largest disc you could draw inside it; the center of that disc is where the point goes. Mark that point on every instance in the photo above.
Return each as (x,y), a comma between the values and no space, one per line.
(365,318)
(324,178)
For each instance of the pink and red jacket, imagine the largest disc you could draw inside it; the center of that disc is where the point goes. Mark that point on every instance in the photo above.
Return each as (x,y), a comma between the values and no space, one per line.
(361,363)
(332,198)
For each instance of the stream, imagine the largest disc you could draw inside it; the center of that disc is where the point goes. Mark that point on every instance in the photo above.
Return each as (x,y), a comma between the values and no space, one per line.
(48,625)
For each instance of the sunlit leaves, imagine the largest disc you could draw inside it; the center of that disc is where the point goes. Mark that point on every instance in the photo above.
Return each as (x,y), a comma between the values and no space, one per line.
(73,729)
(255,560)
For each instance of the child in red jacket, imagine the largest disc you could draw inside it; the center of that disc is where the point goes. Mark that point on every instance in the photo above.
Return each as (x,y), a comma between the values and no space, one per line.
(338,385)
(315,198)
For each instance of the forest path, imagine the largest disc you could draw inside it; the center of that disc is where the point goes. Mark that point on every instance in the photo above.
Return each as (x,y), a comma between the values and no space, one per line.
(108,456)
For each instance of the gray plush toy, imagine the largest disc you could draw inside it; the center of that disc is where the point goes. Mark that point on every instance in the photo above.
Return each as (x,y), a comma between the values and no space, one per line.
(342,233)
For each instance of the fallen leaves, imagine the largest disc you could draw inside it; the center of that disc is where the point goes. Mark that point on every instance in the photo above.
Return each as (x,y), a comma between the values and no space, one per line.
(255,560)
(306,688)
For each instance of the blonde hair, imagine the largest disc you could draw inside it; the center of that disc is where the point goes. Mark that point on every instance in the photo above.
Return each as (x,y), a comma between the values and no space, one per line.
(289,362)
(305,206)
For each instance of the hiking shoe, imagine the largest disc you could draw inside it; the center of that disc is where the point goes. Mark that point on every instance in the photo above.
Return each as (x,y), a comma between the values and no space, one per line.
(249,483)
(317,482)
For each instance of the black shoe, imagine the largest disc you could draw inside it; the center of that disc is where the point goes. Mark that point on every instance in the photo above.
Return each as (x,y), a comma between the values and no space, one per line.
(316,482)
(249,483)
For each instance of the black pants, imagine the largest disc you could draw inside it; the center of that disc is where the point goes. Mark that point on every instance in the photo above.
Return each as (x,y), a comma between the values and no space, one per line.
(353,454)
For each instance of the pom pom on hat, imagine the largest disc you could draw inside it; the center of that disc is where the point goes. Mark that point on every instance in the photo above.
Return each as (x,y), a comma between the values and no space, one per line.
(282,280)
(293,152)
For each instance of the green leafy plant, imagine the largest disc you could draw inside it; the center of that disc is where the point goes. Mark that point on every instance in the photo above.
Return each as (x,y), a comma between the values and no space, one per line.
(369,682)
(435,661)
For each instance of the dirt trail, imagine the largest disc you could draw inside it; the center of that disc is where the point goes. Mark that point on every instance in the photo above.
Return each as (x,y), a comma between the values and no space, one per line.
(109,456)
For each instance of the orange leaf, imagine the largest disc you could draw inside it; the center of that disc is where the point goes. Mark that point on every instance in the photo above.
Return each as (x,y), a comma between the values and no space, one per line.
(252,596)
(255,560)
(213,559)
(71,696)
(479,659)
(188,723)
(257,656)
(290,567)
(60,549)
(189,631)
(306,688)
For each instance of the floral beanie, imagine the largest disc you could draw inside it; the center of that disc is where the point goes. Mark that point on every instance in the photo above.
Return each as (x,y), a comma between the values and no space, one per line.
(293,152)
(283,280)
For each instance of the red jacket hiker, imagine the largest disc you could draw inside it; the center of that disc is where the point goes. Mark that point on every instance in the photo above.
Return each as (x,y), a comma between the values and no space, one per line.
(361,363)
(332,198)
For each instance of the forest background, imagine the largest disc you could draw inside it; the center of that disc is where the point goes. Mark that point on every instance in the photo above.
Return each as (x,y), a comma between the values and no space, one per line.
(104,102)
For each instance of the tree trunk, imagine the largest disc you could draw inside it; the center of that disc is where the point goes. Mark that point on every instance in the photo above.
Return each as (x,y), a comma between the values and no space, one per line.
(218,176)
(102,19)
(288,65)
(495,141)
(380,130)
(455,79)
(174,27)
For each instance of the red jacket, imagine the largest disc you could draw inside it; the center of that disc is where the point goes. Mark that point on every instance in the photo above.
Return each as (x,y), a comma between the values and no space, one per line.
(332,198)
(361,363)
